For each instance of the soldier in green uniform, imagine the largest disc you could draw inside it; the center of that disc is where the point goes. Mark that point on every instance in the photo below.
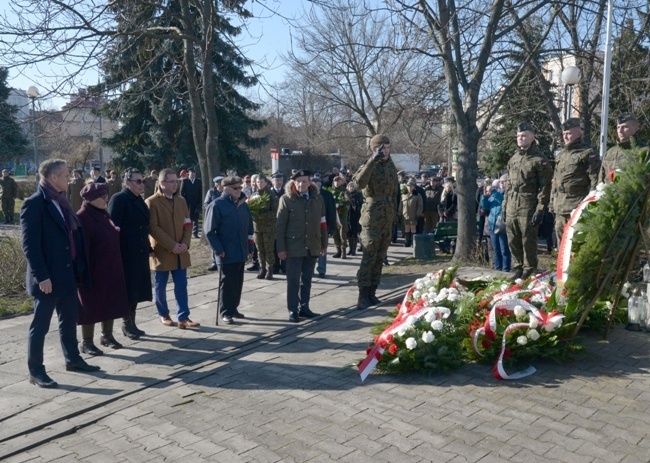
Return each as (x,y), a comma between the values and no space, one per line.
(9,195)
(626,128)
(265,228)
(576,174)
(377,180)
(527,196)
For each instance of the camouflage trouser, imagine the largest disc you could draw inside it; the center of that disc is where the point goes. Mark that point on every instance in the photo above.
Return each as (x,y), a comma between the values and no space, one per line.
(430,221)
(522,239)
(560,222)
(341,235)
(264,240)
(375,244)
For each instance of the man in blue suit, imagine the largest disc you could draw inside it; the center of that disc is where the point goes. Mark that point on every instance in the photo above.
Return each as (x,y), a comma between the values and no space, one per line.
(54,248)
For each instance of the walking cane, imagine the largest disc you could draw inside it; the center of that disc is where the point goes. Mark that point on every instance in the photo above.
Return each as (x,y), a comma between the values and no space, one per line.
(219,294)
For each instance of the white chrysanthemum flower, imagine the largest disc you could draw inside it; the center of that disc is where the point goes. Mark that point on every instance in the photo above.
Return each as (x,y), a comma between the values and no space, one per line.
(549,327)
(436,325)
(519,311)
(538,298)
(519,281)
(402,331)
(429,316)
(453,297)
(504,287)
(419,286)
(522,340)
(410,320)
(534,322)
(411,343)
(417,294)
(428,337)
(533,334)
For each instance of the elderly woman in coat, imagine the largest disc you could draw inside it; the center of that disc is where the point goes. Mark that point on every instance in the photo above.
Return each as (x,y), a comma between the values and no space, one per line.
(105,298)
(410,210)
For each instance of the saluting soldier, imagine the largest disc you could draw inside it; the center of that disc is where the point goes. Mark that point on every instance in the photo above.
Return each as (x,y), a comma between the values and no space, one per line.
(627,127)
(265,228)
(576,174)
(527,196)
(377,180)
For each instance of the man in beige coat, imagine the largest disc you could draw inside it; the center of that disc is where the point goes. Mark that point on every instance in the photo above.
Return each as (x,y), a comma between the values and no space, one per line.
(170,232)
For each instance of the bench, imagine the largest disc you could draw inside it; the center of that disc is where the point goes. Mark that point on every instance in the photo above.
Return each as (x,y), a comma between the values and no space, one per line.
(446,234)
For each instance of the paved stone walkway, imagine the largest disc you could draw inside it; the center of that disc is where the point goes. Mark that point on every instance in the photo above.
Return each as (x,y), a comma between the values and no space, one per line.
(267,391)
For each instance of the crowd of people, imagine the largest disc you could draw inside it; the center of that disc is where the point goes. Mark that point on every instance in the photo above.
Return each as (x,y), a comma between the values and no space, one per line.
(91,249)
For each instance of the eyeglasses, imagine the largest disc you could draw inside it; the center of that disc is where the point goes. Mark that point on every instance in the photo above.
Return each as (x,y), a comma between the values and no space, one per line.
(235,187)
(138,181)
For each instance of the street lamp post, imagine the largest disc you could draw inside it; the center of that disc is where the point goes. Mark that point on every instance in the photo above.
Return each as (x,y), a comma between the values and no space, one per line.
(570,76)
(33,93)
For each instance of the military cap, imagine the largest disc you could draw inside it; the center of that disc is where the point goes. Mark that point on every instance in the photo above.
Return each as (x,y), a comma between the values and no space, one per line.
(218,179)
(231,180)
(571,123)
(277,175)
(401,172)
(301,173)
(191,169)
(92,191)
(435,178)
(97,169)
(526,127)
(379,140)
(623,118)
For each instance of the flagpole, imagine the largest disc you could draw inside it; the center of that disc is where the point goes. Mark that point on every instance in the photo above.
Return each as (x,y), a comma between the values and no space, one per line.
(604,116)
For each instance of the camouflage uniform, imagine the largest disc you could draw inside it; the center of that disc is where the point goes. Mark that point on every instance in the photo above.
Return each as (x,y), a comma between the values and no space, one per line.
(576,174)
(527,192)
(265,230)
(615,156)
(377,181)
(340,235)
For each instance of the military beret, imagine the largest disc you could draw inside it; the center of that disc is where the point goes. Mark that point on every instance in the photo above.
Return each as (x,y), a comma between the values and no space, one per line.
(571,123)
(301,173)
(231,180)
(623,118)
(93,191)
(526,127)
(277,175)
(379,140)
(218,179)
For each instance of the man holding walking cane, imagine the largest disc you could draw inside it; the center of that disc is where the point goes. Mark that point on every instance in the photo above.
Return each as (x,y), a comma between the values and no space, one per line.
(228,227)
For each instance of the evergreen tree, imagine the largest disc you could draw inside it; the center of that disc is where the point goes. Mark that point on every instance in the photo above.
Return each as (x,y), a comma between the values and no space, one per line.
(153,107)
(12,139)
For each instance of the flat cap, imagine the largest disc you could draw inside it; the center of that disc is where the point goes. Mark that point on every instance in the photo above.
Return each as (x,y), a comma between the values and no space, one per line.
(231,180)
(623,118)
(301,173)
(526,127)
(401,172)
(92,191)
(277,175)
(571,123)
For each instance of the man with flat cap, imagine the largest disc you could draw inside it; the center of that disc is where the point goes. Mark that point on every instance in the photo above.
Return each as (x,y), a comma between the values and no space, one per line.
(576,174)
(74,189)
(377,180)
(301,236)
(228,227)
(627,127)
(210,196)
(528,193)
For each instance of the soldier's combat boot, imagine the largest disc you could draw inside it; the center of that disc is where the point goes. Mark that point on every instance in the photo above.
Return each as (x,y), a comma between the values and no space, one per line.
(262,274)
(363,302)
(372,297)
(269,274)
(344,252)
(128,328)
(353,247)
(338,253)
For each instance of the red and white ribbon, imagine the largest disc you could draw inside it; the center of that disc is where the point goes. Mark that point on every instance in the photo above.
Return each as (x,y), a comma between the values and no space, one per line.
(564,254)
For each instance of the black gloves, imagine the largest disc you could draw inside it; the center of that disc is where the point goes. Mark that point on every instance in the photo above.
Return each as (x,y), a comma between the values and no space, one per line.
(379,154)
(536,221)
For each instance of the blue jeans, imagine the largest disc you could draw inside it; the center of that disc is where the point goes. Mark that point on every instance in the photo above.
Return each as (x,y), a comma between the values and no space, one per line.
(179,276)
(321,267)
(501,251)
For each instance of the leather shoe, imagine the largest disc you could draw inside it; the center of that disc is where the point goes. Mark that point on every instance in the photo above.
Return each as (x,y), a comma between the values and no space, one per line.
(307,313)
(238,314)
(127,332)
(81,366)
(167,321)
(253,268)
(110,341)
(228,320)
(294,318)
(89,347)
(43,381)
(188,324)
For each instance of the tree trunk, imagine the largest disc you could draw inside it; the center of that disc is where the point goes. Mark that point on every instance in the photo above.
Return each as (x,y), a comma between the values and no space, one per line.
(467,174)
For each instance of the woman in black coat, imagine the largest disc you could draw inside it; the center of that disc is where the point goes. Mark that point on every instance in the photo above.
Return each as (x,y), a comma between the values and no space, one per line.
(104,299)
(131,215)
